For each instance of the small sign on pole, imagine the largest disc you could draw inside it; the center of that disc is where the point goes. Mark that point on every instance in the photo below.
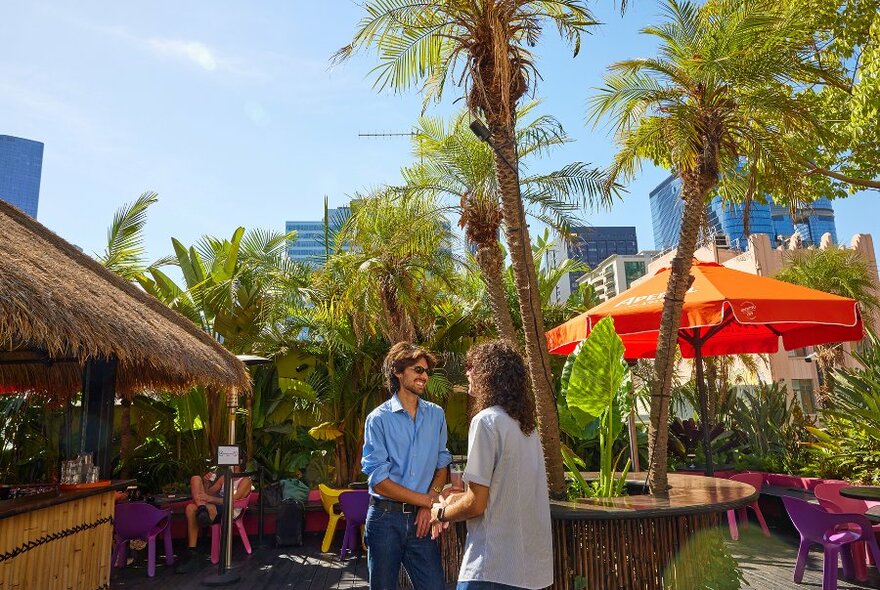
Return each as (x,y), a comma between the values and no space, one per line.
(228,454)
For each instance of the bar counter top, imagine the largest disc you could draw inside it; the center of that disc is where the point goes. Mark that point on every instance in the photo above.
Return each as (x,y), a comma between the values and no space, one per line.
(26,504)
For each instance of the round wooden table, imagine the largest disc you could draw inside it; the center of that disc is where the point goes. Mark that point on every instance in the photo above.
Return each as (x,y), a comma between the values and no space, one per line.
(634,541)
(873,514)
(861,492)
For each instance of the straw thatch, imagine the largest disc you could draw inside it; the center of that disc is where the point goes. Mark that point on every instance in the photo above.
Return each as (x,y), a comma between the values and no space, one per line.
(59,306)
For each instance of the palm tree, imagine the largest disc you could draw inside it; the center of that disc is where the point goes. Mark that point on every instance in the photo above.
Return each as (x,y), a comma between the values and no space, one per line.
(714,106)
(840,271)
(484,45)
(125,255)
(454,162)
(237,290)
(393,256)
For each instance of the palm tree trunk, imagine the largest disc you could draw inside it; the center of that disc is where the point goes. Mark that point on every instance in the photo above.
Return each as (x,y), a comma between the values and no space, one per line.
(400,328)
(695,188)
(712,388)
(492,266)
(526,281)
(216,405)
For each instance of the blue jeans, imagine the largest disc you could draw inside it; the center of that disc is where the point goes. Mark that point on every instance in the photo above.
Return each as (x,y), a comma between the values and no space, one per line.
(392,542)
(477,585)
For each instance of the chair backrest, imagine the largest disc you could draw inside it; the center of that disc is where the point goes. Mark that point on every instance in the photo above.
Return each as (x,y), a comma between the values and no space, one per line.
(830,499)
(138,520)
(329,497)
(756,480)
(811,521)
(354,505)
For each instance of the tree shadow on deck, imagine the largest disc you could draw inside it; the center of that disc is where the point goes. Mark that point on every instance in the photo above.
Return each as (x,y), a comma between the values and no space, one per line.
(769,563)
(269,568)
(766,563)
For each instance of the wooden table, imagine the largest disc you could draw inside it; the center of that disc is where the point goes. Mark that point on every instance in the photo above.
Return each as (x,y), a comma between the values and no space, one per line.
(634,542)
(871,493)
(60,540)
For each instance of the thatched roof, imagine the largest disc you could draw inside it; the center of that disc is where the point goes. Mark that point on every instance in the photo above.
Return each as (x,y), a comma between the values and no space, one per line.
(59,305)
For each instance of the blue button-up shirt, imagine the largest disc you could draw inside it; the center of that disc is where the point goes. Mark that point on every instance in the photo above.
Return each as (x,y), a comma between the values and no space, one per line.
(406,451)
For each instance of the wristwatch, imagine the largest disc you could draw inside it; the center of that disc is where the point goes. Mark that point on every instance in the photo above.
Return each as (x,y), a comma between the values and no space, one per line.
(437,489)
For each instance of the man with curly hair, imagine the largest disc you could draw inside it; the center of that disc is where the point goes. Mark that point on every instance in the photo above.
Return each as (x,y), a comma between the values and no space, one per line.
(405,458)
(506,504)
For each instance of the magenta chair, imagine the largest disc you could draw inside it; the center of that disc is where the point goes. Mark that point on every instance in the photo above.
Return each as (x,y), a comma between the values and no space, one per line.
(139,520)
(354,505)
(237,524)
(832,532)
(756,480)
(830,499)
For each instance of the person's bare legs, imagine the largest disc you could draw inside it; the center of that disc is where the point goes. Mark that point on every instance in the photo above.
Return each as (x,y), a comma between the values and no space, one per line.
(197,488)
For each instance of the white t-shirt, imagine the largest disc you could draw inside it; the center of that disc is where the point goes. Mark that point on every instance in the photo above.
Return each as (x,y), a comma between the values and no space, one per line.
(511,542)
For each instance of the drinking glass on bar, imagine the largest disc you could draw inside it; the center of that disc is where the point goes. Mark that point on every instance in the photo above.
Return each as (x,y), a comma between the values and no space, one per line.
(456,471)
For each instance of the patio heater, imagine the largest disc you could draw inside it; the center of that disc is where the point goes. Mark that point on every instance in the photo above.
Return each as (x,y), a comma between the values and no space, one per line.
(225,575)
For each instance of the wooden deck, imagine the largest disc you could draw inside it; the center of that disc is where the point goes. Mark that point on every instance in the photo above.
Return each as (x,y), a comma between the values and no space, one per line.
(268,568)
(766,564)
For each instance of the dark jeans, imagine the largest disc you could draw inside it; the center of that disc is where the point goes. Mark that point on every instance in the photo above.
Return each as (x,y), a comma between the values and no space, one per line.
(476,585)
(392,542)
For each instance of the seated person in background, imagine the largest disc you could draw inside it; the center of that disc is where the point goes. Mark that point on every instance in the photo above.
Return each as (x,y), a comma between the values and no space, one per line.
(204,510)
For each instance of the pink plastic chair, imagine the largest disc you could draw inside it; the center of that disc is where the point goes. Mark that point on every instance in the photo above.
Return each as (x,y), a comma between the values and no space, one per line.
(354,505)
(830,499)
(832,532)
(755,480)
(139,520)
(237,523)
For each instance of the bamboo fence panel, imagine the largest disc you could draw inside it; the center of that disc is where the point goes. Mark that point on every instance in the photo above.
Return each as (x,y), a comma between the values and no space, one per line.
(66,546)
(631,554)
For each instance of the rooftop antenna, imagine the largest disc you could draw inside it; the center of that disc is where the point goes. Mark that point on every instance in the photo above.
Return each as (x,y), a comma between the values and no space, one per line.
(411,134)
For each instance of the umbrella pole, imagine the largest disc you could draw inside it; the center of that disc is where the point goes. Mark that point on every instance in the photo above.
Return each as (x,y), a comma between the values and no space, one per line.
(704,407)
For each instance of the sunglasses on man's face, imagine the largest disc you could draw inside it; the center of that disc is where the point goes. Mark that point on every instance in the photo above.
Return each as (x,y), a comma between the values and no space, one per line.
(420,370)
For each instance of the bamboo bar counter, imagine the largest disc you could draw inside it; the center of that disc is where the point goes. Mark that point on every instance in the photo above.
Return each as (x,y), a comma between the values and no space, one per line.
(59,540)
(632,542)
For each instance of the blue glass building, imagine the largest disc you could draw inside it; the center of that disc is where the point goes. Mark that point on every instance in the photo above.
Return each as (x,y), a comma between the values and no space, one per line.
(810,222)
(309,243)
(21,166)
(593,244)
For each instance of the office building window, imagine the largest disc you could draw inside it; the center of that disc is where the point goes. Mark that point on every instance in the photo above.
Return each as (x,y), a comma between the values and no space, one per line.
(633,270)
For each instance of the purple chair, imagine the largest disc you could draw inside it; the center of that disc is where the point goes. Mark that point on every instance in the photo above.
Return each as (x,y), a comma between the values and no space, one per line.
(139,520)
(354,505)
(756,480)
(830,499)
(832,532)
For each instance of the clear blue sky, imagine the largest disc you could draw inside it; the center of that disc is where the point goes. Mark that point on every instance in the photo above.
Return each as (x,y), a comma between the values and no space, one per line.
(230,112)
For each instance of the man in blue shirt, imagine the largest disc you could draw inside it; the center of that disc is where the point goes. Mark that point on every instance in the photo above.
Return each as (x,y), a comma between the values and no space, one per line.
(405,458)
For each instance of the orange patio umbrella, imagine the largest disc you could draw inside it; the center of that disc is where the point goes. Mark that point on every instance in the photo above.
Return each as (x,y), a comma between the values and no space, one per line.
(725,311)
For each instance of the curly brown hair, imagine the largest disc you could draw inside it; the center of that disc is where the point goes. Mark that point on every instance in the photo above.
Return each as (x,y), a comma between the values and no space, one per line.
(401,356)
(498,378)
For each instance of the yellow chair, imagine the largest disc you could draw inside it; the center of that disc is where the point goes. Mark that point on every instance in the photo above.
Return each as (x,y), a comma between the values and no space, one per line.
(330,500)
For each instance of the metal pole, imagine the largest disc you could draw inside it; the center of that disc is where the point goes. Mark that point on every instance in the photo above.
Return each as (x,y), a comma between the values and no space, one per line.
(704,407)
(224,576)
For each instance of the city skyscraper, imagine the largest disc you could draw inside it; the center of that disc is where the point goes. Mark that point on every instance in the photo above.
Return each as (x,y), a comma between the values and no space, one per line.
(309,244)
(726,219)
(21,166)
(591,245)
